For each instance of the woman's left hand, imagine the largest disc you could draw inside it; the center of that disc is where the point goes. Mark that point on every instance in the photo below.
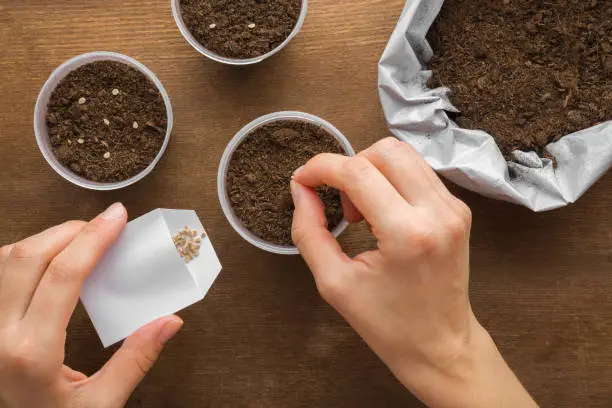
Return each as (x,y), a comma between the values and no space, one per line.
(40,282)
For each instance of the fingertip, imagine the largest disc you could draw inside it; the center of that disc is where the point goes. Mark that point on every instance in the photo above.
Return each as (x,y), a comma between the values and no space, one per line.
(295,191)
(115,212)
(308,205)
(171,327)
(297,172)
(159,331)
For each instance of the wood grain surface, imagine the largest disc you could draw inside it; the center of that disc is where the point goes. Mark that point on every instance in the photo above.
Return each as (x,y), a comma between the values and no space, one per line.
(541,283)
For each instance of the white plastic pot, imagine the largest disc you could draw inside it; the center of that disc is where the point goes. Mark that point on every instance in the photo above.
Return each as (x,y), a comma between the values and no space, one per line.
(225,162)
(40,118)
(178,18)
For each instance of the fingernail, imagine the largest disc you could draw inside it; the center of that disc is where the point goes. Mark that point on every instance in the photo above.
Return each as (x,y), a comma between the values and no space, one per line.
(172,326)
(295,173)
(114,212)
(295,192)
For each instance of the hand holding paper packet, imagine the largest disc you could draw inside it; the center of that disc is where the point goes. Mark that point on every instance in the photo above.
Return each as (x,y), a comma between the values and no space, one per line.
(142,276)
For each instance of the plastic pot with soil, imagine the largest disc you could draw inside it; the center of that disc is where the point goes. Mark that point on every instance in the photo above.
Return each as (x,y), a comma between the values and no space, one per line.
(239,32)
(103,120)
(255,173)
(510,99)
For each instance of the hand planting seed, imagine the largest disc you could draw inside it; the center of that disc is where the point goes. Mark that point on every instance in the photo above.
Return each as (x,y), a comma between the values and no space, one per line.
(259,177)
(186,243)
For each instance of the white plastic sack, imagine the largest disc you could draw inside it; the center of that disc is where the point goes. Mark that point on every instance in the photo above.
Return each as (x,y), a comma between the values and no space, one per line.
(471,158)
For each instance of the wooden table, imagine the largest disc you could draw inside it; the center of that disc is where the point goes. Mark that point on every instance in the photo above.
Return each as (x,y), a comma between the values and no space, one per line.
(263,338)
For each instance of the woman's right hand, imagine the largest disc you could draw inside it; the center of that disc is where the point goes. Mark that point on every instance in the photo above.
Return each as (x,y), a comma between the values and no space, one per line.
(409,298)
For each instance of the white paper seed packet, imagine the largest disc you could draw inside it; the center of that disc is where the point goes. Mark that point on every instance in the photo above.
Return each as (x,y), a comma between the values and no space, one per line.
(143,277)
(468,157)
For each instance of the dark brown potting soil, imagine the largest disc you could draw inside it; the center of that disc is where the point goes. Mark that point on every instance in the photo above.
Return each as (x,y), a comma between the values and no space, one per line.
(259,176)
(107,121)
(240,28)
(526,71)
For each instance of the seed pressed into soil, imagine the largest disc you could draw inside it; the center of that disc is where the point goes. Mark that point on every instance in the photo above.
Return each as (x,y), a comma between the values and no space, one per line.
(90,119)
(259,176)
(240,29)
(527,72)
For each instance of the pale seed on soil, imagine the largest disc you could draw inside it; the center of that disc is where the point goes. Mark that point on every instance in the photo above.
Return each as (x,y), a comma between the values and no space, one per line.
(80,141)
(106,121)
(252,25)
(82,101)
(107,155)
(135,125)
(213,25)
(115,92)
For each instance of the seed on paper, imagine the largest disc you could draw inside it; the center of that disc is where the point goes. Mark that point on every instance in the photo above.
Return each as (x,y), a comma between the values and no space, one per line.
(135,125)
(213,25)
(106,121)
(186,244)
(106,155)
(252,25)
(82,101)
(80,141)
(115,92)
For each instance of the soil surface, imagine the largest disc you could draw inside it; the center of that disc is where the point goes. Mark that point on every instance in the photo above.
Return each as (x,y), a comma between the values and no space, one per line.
(107,121)
(260,172)
(526,71)
(240,28)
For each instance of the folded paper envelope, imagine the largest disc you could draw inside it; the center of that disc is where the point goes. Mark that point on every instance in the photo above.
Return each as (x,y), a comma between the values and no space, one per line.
(142,277)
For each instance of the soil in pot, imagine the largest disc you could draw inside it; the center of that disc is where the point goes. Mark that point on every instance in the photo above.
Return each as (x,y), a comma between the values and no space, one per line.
(107,121)
(526,71)
(240,29)
(259,176)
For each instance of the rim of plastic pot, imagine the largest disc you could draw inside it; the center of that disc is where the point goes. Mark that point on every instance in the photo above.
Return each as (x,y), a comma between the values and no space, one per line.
(228,210)
(178,18)
(40,114)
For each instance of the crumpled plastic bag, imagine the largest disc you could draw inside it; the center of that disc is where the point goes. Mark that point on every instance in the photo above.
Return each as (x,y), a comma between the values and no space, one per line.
(471,158)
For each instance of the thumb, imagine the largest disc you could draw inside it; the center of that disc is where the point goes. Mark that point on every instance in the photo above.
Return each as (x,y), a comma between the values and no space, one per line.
(310,235)
(128,366)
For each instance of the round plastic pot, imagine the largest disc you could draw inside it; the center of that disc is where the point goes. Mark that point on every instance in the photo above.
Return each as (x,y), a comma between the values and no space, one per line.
(224,166)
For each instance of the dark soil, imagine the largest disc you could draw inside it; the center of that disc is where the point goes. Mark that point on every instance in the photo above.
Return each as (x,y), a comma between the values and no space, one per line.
(226,26)
(526,71)
(98,139)
(259,176)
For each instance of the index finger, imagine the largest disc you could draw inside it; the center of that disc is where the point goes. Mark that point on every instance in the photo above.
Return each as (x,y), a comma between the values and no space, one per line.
(59,289)
(366,187)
